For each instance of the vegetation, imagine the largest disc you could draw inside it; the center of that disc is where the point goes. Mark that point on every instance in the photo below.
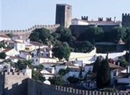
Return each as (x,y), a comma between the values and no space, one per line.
(97,64)
(61,52)
(122,62)
(37,76)
(2,55)
(2,45)
(21,64)
(73,80)
(92,34)
(117,33)
(103,74)
(59,37)
(57,81)
(62,72)
(83,46)
(41,35)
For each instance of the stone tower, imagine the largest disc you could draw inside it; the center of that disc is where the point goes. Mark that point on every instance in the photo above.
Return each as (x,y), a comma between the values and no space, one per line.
(63,15)
(126,20)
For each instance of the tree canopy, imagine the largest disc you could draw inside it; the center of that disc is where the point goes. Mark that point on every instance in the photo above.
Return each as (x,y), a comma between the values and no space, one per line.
(61,52)
(2,55)
(41,35)
(117,33)
(92,34)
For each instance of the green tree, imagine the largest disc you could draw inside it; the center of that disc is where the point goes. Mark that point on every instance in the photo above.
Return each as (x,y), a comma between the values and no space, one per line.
(62,72)
(64,34)
(2,55)
(44,35)
(2,45)
(127,33)
(34,36)
(61,52)
(37,76)
(73,80)
(10,35)
(84,46)
(122,62)
(127,43)
(57,81)
(41,35)
(21,64)
(92,34)
(117,33)
(103,74)
(97,64)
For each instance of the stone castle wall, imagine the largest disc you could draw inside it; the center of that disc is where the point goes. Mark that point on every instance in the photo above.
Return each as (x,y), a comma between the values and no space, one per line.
(37,88)
(14,84)
(1,83)
(29,30)
(20,84)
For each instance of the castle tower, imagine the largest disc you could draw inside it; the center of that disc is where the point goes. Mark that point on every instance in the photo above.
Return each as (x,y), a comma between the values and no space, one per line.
(63,15)
(126,20)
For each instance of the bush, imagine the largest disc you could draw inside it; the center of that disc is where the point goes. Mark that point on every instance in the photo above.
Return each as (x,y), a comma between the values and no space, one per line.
(72,80)
(2,55)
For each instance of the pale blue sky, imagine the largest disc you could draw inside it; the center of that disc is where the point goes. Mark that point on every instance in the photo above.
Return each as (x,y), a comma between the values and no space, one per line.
(22,14)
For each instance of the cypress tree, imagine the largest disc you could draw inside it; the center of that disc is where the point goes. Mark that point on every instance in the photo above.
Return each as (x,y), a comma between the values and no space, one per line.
(96,64)
(103,74)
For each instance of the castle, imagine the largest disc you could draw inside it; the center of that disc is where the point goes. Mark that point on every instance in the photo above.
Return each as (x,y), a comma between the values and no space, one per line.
(14,83)
(64,18)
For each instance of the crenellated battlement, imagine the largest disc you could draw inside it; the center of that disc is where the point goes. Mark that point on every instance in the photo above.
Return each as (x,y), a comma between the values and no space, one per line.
(15,73)
(126,19)
(61,90)
(100,18)
(108,19)
(84,18)
(29,30)
(126,14)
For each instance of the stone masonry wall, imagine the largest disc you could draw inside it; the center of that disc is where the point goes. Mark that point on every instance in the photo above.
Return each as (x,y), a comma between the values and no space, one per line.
(37,88)
(29,30)
(15,84)
(1,83)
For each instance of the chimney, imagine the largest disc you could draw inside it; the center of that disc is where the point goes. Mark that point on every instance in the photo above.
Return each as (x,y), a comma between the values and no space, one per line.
(114,19)
(118,63)
(117,73)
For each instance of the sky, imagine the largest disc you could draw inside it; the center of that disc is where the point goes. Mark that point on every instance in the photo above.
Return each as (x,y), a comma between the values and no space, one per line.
(23,14)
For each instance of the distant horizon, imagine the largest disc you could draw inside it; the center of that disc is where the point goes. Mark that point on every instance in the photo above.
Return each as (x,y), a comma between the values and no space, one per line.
(22,14)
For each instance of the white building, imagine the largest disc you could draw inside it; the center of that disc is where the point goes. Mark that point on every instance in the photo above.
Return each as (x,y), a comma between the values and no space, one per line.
(4,37)
(25,55)
(42,60)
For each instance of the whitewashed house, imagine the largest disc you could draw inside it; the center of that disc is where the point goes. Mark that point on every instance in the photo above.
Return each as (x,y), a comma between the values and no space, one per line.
(11,52)
(42,60)
(48,74)
(4,37)
(26,55)
(19,45)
